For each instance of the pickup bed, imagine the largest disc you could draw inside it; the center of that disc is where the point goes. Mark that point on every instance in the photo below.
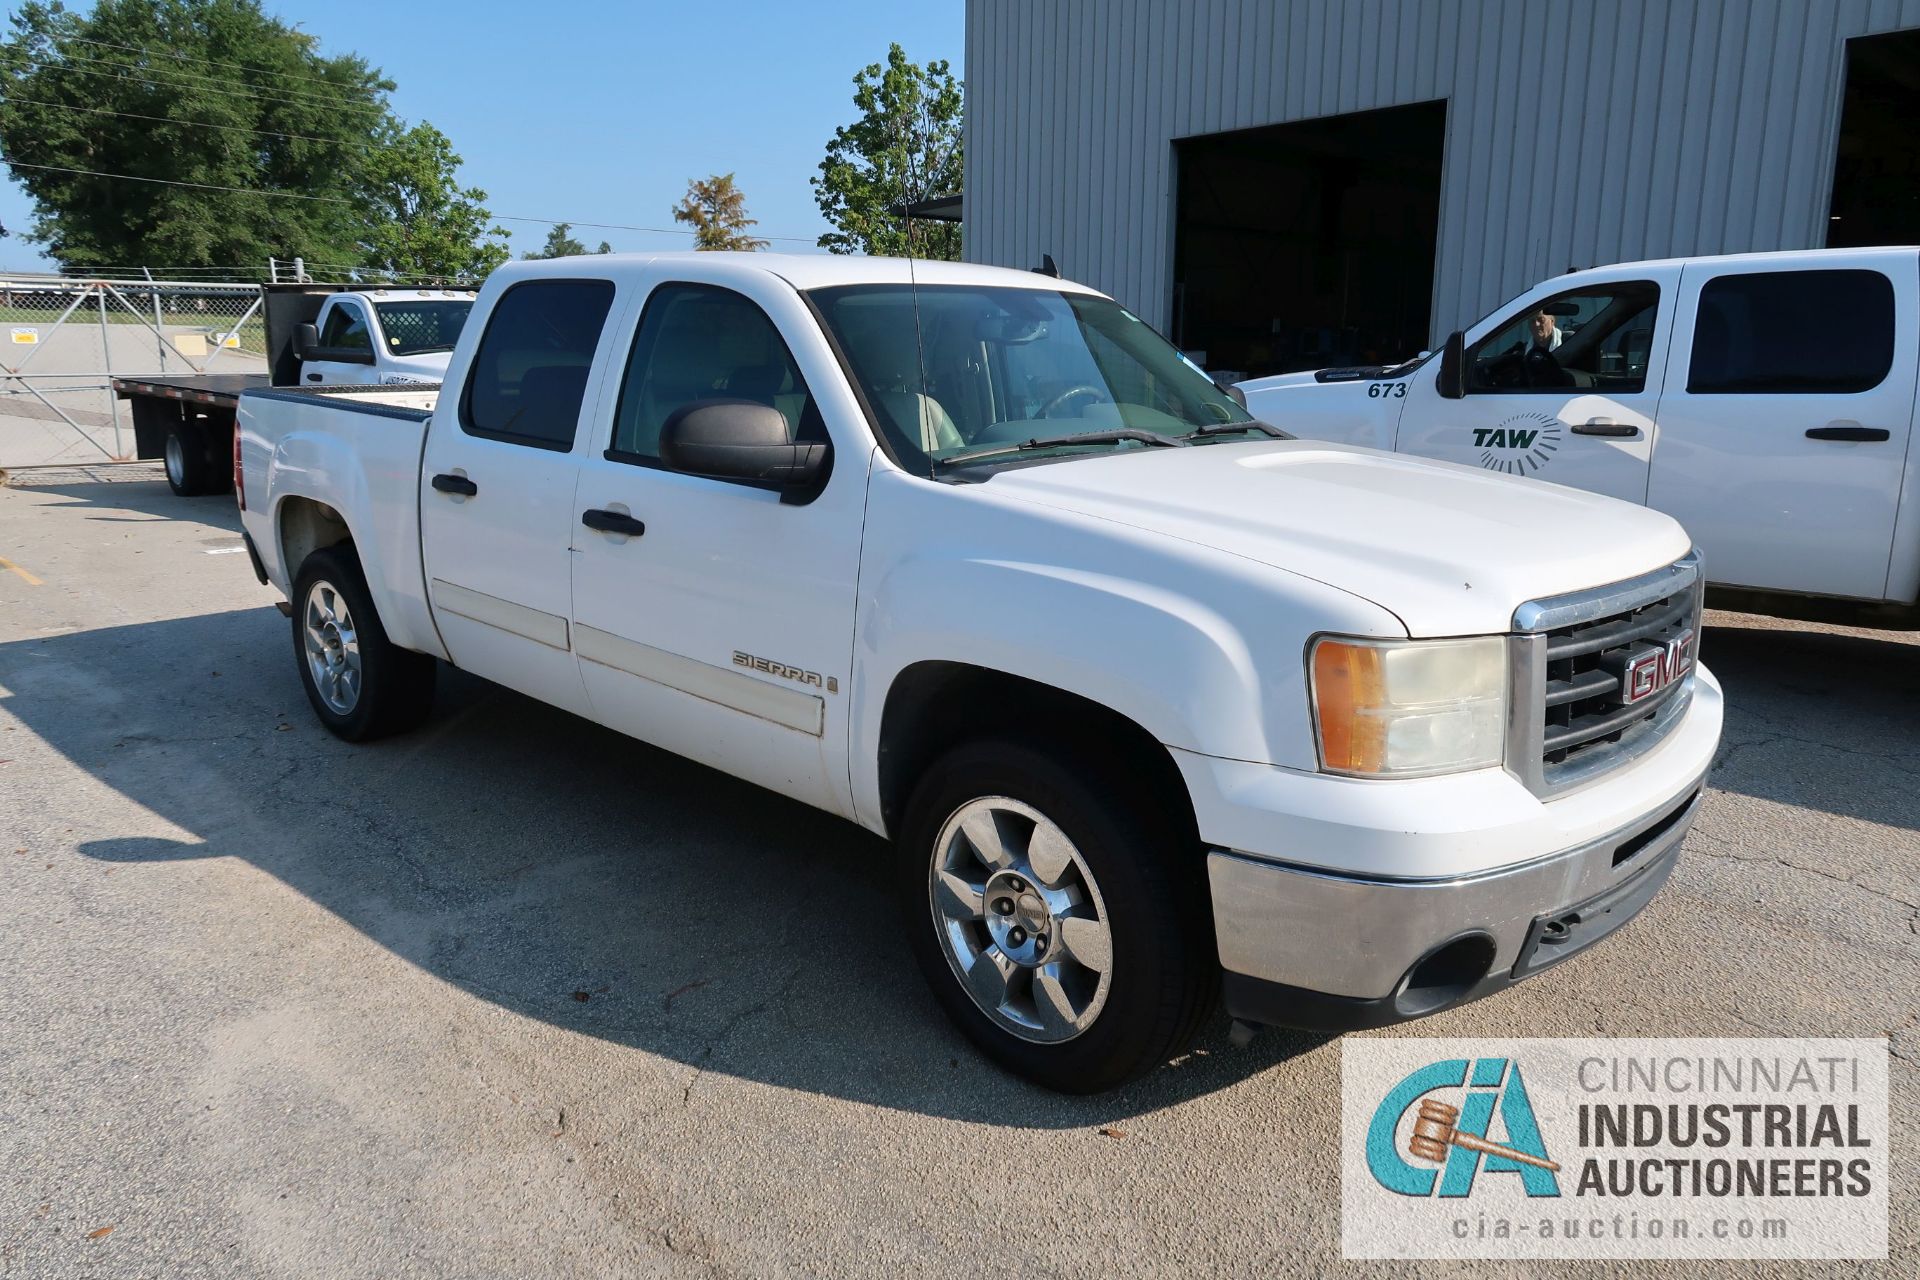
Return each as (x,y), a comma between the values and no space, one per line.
(1154,704)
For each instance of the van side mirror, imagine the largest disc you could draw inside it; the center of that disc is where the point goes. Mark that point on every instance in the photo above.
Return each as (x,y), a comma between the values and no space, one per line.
(1452,384)
(746,442)
(305,339)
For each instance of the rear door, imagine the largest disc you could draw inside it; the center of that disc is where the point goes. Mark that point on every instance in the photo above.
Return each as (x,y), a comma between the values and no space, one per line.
(1560,387)
(1784,427)
(497,515)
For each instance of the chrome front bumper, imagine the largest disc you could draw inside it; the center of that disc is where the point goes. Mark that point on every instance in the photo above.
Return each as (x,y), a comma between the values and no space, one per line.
(1307,947)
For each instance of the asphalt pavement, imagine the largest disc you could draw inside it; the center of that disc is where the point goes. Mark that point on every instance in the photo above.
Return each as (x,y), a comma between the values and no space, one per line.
(516,996)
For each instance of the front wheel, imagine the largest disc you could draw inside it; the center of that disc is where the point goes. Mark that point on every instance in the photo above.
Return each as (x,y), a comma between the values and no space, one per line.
(360,683)
(1062,927)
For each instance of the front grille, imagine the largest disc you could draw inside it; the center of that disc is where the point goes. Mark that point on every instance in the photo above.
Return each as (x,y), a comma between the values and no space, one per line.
(1573,719)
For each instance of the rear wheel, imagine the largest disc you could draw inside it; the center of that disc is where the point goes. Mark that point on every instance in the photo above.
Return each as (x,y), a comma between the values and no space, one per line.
(360,683)
(188,471)
(1061,926)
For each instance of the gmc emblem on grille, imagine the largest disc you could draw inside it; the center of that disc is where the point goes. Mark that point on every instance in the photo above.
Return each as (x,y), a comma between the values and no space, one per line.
(1657,668)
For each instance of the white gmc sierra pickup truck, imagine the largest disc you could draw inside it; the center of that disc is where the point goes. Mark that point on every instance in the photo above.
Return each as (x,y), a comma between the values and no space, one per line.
(1141,693)
(1764,400)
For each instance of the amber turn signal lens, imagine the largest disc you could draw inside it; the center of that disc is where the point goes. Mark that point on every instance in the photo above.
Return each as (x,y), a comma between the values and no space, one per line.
(1348,684)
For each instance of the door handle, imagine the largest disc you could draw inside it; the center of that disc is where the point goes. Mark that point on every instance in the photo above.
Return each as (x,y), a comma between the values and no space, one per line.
(313,377)
(1863,435)
(1615,430)
(612,522)
(455,484)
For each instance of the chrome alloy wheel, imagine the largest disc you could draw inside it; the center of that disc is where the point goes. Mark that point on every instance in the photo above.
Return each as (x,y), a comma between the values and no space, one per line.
(1021,920)
(175,454)
(333,647)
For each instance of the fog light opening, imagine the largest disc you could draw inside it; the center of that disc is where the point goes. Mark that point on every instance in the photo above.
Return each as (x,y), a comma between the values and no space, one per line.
(1444,976)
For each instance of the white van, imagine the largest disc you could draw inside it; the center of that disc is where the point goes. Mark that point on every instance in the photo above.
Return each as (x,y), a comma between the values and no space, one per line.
(1764,400)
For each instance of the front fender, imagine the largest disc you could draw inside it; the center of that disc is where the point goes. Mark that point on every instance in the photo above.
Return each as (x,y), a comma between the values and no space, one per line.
(1219,681)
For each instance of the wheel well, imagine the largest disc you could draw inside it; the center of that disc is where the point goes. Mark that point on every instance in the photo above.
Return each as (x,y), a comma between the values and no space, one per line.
(305,527)
(935,706)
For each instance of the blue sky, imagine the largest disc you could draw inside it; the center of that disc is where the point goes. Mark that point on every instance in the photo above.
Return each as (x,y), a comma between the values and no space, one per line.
(591,111)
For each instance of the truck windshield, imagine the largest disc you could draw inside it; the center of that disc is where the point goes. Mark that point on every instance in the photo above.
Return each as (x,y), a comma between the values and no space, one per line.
(981,368)
(419,325)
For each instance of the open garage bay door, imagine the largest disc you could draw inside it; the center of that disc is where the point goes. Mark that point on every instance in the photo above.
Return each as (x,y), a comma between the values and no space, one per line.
(1309,244)
(1876,176)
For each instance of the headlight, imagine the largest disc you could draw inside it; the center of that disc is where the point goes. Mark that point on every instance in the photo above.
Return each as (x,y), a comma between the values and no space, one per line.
(1402,708)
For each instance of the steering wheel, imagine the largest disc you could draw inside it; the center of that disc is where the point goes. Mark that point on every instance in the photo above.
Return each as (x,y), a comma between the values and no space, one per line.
(1098,395)
(1543,370)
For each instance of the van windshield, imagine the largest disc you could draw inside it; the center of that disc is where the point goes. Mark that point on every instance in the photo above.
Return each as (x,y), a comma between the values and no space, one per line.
(417,326)
(988,366)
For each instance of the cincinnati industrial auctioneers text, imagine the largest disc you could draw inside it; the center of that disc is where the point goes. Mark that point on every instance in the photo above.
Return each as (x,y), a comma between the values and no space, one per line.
(1801,1126)
(1629,1148)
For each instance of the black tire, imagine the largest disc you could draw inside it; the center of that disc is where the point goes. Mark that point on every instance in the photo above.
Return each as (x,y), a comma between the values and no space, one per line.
(1164,974)
(394,690)
(189,473)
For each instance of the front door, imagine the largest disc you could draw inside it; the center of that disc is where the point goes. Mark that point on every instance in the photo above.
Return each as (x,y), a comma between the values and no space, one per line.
(496,491)
(1561,388)
(713,618)
(1784,428)
(344,329)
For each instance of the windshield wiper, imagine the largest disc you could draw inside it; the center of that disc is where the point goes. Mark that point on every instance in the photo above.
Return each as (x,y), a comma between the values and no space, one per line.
(1237,428)
(1115,436)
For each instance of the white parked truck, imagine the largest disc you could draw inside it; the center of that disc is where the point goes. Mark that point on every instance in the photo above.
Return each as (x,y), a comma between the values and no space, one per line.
(1143,695)
(1764,400)
(316,335)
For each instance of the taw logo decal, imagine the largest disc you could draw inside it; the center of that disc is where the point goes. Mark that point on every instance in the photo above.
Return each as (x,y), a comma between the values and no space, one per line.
(1448,1144)
(1522,444)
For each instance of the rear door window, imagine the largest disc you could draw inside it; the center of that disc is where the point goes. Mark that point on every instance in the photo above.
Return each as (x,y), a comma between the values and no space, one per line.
(529,376)
(1792,333)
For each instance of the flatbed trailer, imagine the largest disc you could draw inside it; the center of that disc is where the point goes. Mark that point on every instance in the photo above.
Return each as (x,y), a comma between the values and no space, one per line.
(188,421)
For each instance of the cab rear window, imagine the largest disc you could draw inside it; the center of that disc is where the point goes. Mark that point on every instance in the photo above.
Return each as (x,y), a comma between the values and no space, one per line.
(1792,333)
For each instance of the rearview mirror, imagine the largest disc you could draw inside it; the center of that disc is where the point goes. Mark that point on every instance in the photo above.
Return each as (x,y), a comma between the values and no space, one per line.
(305,339)
(1452,384)
(746,442)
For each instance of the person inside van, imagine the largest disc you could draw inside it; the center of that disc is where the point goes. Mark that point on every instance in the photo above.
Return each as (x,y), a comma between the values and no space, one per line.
(1546,331)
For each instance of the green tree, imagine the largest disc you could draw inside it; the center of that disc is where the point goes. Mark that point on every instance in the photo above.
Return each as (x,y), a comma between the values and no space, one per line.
(904,148)
(561,244)
(193,91)
(419,220)
(717,211)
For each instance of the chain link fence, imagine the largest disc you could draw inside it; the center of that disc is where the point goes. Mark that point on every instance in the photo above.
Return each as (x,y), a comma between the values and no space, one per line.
(63,340)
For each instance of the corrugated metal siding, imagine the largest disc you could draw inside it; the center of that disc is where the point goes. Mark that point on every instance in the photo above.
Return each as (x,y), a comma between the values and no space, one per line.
(1577,134)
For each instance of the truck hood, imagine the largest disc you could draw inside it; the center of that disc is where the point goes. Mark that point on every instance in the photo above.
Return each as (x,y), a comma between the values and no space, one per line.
(1450,550)
(1273,382)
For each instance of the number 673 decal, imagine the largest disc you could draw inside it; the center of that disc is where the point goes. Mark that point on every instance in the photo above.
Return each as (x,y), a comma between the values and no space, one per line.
(1390,390)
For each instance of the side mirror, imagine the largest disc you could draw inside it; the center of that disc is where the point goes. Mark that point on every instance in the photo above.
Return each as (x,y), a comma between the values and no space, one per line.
(744,441)
(1452,384)
(1233,392)
(305,339)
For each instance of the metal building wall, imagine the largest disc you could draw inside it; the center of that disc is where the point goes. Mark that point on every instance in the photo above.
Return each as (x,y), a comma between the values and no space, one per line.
(1578,131)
